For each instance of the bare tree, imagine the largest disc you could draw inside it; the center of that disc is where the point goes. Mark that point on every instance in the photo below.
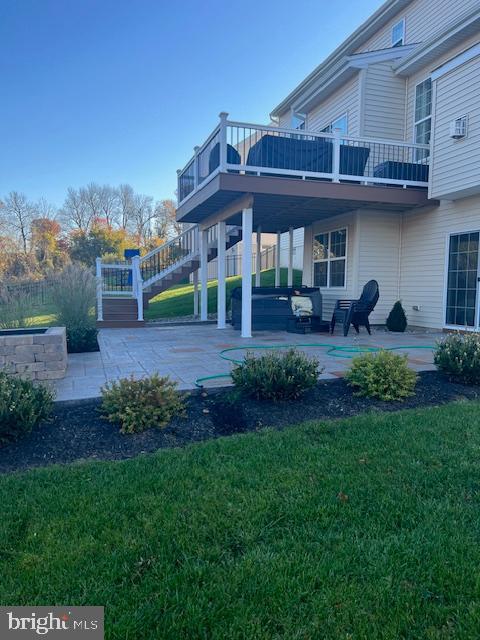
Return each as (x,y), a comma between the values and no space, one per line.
(17,214)
(143,216)
(75,213)
(166,220)
(109,201)
(125,206)
(44,209)
(92,200)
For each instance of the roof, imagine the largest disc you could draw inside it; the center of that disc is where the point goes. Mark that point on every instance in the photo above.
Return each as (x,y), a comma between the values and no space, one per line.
(337,59)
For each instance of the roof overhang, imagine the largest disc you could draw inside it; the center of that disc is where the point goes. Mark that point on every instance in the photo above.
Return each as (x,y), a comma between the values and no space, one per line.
(363,60)
(279,203)
(464,26)
(376,21)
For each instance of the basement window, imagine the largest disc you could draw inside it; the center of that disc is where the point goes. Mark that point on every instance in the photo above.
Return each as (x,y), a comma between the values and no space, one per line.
(330,259)
(398,33)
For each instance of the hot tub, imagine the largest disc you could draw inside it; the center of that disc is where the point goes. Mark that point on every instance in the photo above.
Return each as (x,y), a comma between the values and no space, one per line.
(296,309)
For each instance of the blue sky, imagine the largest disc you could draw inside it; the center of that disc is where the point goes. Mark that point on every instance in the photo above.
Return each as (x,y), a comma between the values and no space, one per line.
(121,90)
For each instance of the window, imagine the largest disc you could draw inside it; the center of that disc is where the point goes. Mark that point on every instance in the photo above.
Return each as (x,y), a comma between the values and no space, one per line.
(330,259)
(297,122)
(423,115)
(398,33)
(462,279)
(340,123)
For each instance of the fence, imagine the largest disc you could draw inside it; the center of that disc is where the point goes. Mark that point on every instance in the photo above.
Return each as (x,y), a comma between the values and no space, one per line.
(38,292)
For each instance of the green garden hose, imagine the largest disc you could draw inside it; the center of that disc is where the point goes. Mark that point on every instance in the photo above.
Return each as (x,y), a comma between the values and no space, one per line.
(335,351)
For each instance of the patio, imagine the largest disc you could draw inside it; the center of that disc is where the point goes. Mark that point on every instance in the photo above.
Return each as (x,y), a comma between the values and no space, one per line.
(187,353)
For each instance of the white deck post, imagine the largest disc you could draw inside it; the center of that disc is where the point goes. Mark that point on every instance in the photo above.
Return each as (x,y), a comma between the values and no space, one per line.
(223,141)
(99,290)
(137,286)
(277,259)
(204,275)
(290,257)
(222,290)
(195,293)
(258,257)
(247,219)
(336,155)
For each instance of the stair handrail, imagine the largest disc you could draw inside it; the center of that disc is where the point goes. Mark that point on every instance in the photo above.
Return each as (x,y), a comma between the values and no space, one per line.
(168,243)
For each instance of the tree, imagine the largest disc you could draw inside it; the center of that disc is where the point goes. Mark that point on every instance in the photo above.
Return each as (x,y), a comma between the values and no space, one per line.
(166,220)
(45,243)
(17,214)
(125,206)
(75,213)
(109,204)
(143,217)
(98,241)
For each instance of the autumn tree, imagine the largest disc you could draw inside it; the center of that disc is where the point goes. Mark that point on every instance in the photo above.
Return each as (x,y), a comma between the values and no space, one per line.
(17,214)
(166,222)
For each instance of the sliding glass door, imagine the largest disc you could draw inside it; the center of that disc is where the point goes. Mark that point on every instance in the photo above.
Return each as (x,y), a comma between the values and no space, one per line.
(462,280)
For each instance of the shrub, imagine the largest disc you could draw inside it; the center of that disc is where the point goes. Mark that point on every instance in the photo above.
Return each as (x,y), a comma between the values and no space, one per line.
(74,294)
(276,376)
(15,308)
(458,356)
(82,339)
(384,375)
(22,406)
(141,404)
(397,320)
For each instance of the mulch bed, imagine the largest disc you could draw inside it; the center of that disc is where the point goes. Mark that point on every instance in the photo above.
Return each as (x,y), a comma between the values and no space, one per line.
(77,431)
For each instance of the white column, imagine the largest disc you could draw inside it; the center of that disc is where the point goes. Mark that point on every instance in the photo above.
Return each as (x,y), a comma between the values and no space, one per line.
(195,293)
(290,257)
(222,290)
(247,219)
(204,275)
(307,273)
(277,259)
(99,289)
(258,257)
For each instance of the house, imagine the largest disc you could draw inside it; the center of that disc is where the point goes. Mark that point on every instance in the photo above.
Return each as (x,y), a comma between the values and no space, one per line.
(373,163)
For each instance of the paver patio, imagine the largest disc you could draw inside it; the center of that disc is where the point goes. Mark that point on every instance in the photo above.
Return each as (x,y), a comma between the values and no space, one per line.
(186,353)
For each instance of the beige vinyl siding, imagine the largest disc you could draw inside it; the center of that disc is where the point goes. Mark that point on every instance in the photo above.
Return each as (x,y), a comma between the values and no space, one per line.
(379,243)
(423,257)
(456,163)
(423,18)
(419,76)
(344,100)
(384,103)
(330,296)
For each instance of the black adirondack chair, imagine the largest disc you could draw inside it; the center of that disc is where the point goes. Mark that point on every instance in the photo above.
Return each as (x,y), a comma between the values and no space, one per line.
(356,312)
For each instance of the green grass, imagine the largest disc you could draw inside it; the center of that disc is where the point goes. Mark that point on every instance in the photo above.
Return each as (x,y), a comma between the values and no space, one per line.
(178,301)
(367,528)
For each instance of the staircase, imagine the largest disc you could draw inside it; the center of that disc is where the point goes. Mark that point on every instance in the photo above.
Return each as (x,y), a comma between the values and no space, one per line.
(125,288)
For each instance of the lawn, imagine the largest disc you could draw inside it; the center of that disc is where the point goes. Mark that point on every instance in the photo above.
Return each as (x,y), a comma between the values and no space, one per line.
(178,301)
(363,528)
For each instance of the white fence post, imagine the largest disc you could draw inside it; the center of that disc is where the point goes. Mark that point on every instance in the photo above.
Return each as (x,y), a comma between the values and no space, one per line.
(137,286)
(98,263)
(336,155)
(223,141)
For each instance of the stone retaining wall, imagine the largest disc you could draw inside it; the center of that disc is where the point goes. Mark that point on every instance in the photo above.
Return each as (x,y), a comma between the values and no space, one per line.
(35,356)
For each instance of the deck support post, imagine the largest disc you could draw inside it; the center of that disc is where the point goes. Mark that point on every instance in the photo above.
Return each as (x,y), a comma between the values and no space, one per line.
(258,256)
(247,227)
(195,293)
(98,263)
(204,275)
(277,258)
(221,263)
(290,257)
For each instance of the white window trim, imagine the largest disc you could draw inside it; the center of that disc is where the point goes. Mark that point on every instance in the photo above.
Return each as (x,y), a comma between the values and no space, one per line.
(415,122)
(328,260)
(455,327)
(330,124)
(401,40)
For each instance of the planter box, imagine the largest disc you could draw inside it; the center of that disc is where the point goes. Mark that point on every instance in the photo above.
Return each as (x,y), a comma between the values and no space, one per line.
(34,354)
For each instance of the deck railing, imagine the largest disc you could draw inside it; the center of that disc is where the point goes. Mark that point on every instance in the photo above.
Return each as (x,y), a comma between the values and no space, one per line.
(249,149)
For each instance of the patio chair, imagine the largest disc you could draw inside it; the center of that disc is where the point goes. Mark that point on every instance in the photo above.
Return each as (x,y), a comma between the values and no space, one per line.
(356,312)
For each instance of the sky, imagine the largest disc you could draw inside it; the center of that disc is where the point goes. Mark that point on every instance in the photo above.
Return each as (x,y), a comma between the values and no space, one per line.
(116,91)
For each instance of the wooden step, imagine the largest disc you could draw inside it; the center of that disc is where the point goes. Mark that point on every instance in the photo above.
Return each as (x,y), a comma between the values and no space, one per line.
(119,324)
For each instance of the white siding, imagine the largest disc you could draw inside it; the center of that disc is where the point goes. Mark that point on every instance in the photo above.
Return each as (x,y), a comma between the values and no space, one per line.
(456,163)
(423,257)
(423,18)
(379,246)
(344,100)
(285,120)
(384,103)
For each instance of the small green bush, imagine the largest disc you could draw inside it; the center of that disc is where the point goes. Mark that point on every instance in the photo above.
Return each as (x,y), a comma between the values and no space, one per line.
(397,320)
(22,406)
(384,375)
(275,375)
(141,404)
(82,339)
(458,356)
